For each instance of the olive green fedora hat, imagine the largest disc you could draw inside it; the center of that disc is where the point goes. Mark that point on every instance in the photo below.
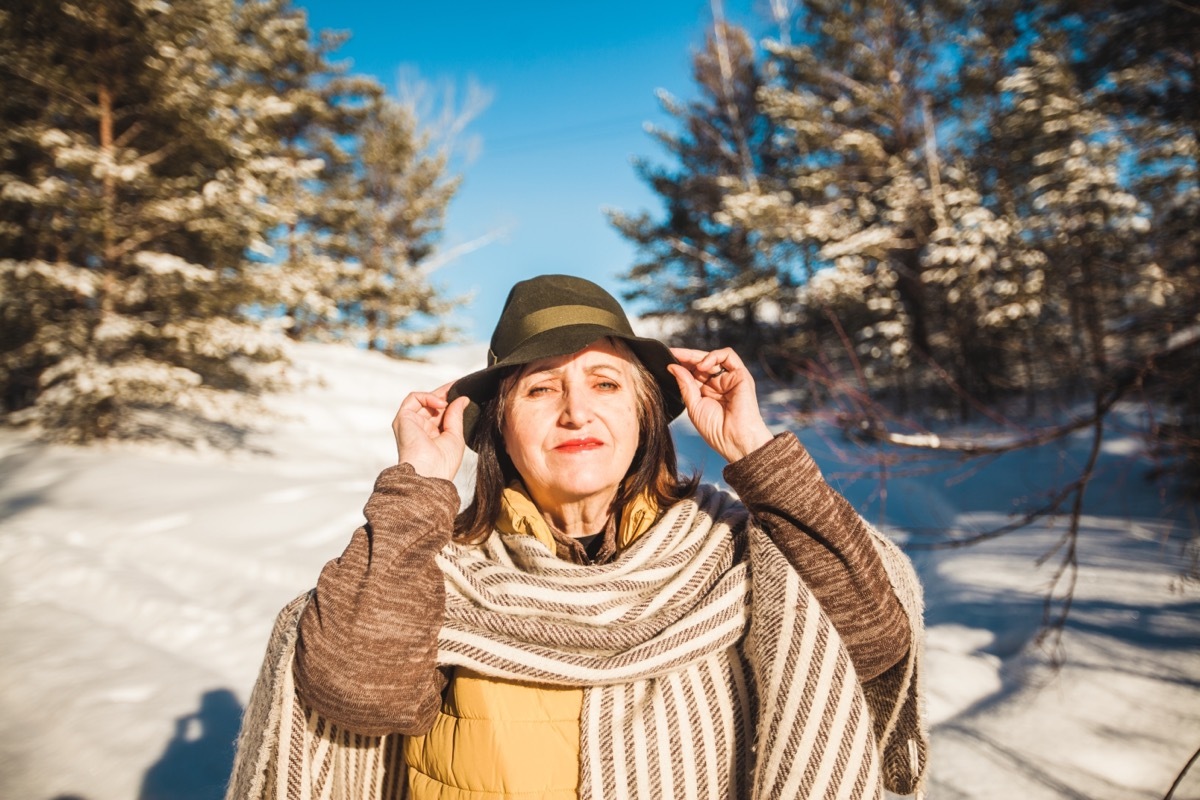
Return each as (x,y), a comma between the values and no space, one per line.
(556,315)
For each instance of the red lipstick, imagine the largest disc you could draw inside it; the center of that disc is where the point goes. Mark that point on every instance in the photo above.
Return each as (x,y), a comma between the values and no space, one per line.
(579,445)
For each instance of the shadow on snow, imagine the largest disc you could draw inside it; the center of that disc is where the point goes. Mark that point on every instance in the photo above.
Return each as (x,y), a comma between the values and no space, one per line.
(197,761)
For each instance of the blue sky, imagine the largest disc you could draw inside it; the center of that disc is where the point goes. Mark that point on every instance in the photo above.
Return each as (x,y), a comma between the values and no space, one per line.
(571,85)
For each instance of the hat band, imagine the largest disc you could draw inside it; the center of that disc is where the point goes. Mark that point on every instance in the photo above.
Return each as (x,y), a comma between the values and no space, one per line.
(561,316)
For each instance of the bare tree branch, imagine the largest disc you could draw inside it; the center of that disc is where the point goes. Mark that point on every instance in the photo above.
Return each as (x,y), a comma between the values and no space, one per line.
(450,254)
(977,447)
(1182,773)
(1068,568)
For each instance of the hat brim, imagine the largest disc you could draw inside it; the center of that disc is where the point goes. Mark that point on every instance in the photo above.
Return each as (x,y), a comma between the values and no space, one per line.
(481,386)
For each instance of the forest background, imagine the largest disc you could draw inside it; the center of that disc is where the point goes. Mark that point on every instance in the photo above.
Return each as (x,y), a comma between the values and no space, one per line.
(986,207)
(915,214)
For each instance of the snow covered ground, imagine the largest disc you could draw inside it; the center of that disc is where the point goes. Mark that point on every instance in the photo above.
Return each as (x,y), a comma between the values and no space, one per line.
(138,585)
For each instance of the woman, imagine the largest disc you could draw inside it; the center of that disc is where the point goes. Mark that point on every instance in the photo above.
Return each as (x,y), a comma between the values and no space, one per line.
(592,624)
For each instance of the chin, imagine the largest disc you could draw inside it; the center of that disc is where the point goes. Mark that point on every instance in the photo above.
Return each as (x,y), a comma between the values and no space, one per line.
(583,491)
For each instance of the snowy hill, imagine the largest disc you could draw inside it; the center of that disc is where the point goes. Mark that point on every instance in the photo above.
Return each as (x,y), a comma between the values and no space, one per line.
(138,585)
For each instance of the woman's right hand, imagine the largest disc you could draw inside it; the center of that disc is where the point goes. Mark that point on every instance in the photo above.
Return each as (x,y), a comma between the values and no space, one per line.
(429,433)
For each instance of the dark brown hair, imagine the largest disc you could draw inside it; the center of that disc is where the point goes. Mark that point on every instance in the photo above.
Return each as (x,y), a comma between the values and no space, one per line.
(654,469)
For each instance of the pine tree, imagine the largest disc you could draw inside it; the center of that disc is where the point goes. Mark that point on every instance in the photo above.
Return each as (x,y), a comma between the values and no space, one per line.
(855,93)
(321,108)
(171,177)
(392,197)
(711,278)
(1140,64)
(133,186)
(870,189)
(985,198)
(1079,210)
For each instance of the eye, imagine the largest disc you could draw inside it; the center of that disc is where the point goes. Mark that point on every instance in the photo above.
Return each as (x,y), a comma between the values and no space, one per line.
(606,385)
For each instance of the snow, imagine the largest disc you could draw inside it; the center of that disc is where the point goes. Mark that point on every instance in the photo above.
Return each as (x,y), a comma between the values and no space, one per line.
(138,585)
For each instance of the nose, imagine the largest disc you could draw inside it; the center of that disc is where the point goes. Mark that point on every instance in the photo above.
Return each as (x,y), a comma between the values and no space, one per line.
(576,409)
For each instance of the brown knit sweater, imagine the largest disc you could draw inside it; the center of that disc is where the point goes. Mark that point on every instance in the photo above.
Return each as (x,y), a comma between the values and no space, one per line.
(366,655)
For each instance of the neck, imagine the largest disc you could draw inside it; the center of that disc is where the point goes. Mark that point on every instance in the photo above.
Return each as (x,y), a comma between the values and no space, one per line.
(575,518)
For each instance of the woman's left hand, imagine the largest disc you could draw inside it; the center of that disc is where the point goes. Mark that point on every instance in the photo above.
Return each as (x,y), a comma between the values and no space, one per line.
(721,401)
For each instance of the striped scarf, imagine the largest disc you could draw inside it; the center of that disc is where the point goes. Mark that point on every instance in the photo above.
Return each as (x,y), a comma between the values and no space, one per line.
(686,692)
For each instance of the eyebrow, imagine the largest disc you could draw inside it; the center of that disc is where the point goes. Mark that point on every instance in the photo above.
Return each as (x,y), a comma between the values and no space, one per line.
(558,370)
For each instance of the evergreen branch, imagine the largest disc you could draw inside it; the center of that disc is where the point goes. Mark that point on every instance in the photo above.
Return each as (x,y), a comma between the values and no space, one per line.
(720,36)
(690,250)
(81,100)
(135,241)
(158,156)
(130,133)
(1191,9)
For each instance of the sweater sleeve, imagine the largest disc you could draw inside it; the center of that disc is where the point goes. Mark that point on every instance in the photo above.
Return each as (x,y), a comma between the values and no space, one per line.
(367,647)
(830,545)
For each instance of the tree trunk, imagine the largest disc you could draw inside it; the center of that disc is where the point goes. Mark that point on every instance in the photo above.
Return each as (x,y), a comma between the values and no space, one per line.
(104,102)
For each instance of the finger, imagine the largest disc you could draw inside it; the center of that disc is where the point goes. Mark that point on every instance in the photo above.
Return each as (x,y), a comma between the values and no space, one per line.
(431,405)
(689,387)
(724,359)
(701,363)
(709,363)
(408,406)
(419,401)
(688,356)
(452,419)
(731,360)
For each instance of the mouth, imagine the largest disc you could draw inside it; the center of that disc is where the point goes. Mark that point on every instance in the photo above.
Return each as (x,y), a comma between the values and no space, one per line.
(579,445)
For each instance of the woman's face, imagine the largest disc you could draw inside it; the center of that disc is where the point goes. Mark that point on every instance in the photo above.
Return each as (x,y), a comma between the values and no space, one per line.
(571,425)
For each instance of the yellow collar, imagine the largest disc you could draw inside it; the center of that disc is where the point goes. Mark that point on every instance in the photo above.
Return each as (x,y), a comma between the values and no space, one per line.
(520,515)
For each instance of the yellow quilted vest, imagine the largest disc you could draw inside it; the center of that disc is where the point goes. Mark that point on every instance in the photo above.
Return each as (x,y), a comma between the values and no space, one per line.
(499,740)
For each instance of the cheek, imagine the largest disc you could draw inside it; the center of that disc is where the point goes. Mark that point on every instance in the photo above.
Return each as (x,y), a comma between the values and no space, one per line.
(627,427)
(515,447)
(510,439)
(522,434)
